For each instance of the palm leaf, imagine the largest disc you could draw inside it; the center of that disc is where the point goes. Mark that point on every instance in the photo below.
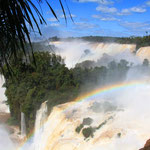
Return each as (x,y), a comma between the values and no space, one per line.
(16,16)
(63,10)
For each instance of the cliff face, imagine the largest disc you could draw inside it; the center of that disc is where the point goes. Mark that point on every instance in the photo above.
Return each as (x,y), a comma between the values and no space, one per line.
(144,52)
(83,50)
(96,50)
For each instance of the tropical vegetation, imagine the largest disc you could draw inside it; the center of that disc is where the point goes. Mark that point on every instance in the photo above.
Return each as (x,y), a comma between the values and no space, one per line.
(53,82)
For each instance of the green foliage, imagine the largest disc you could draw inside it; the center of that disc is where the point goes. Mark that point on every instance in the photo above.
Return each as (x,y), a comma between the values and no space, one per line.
(79,128)
(146,63)
(50,80)
(102,124)
(119,135)
(12,121)
(86,121)
(90,77)
(88,132)
(139,41)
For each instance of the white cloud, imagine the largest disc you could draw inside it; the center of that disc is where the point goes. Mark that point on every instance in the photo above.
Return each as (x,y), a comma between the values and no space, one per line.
(113,10)
(138,9)
(136,26)
(128,11)
(73,16)
(105,9)
(104,2)
(52,19)
(68,16)
(105,18)
(125,11)
(84,25)
(54,24)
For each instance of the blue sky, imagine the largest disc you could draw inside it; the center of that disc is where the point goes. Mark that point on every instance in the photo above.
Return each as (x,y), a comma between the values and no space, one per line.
(99,17)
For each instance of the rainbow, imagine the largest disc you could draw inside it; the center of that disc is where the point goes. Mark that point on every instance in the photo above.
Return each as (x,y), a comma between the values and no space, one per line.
(96,93)
(110,88)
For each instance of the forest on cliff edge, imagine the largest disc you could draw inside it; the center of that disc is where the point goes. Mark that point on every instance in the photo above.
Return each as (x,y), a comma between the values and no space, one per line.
(53,82)
(138,41)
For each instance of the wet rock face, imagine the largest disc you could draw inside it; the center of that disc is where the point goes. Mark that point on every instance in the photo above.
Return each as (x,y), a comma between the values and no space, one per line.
(146,146)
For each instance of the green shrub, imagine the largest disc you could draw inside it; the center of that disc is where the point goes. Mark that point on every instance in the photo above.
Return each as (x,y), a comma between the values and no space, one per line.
(119,135)
(12,121)
(88,132)
(87,121)
(79,128)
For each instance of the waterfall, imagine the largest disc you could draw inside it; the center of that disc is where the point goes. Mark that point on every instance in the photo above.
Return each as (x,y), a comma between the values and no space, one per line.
(120,119)
(95,51)
(41,116)
(23,125)
(3,98)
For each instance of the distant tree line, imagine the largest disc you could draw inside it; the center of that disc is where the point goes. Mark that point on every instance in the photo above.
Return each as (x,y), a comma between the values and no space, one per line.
(139,40)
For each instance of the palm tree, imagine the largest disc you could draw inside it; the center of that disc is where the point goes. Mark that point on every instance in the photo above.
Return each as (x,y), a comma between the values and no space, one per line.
(16,17)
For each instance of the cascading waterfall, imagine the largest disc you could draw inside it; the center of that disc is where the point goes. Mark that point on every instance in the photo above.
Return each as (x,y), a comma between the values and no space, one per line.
(23,126)
(114,121)
(3,107)
(95,51)
(41,117)
(118,117)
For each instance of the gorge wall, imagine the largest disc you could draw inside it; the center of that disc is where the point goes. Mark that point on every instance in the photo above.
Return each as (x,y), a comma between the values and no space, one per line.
(77,51)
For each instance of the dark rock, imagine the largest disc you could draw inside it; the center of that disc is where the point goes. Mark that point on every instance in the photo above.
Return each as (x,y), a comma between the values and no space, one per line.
(146,146)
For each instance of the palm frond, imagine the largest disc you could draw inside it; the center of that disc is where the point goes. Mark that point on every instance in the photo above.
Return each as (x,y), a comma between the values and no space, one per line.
(16,17)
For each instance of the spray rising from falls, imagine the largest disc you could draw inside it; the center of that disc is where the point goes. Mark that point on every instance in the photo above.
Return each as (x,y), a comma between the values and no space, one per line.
(83,50)
(5,141)
(109,118)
